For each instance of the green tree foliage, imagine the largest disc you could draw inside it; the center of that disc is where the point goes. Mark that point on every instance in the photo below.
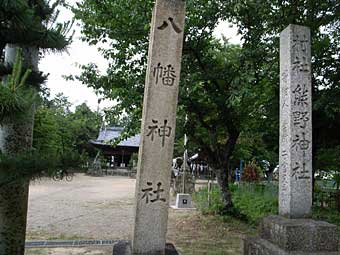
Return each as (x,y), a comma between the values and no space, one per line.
(61,132)
(25,166)
(214,89)
(24,22)
(85,125)
(260,24)
(227,91)
(31,25)
(14,97)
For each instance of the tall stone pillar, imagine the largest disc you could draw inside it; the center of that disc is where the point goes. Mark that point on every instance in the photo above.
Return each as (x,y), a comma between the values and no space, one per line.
(292,232)
(295,191)
(158,128)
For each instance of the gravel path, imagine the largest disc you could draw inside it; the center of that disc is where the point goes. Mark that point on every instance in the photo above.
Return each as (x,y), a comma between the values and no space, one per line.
(86,208)
(102,208)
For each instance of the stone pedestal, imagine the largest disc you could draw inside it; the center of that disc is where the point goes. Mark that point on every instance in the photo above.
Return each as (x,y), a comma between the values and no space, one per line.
(183,201)
(189,184)
(293,233)
(125,248)
(282,236)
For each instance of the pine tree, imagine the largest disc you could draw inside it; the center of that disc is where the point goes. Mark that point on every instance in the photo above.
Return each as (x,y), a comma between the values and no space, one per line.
(25,24)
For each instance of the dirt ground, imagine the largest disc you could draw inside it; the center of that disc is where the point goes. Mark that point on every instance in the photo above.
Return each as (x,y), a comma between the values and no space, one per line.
(86,208)
(102,208)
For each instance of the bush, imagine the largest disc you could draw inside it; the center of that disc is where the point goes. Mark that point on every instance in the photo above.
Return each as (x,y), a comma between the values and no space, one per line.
(251,172)
(327,214)
(253,201)
(201,200)
(256,201)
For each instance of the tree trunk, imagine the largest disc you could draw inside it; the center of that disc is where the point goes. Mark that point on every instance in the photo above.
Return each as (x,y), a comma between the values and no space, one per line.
(222,172)
(16,137)
(222,180)
(13,217)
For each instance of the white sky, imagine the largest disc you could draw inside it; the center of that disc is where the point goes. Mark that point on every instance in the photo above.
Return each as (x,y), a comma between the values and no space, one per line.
(59,64)
(80,52)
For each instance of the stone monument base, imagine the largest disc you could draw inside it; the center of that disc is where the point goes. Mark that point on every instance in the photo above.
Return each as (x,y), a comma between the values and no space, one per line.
(282,236)
(183,201)
(125,248)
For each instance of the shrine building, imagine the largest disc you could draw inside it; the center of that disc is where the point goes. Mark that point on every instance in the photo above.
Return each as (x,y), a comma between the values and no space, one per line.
(116,155)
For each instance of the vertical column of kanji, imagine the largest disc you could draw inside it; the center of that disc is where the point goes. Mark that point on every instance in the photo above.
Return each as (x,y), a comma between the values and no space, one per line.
(158,127)
(295,198)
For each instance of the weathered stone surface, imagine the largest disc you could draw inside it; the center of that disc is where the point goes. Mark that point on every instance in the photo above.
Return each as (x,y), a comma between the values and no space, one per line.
(258,246)
(124,248)
(304,235)
(292,234)
(158,127)
(295,195)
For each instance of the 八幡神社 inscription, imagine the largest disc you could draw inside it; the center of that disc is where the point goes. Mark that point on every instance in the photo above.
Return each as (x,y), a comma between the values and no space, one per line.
(158,127)
(164,74)
(173,24)
(148,193)
(161,131)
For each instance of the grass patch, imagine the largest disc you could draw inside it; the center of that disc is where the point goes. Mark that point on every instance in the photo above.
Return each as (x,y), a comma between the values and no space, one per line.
(37,235)
(327,214)
(255,201)
(252,201)
(35,251)
(68,237)
(212,207)
(44,235)
(199,234)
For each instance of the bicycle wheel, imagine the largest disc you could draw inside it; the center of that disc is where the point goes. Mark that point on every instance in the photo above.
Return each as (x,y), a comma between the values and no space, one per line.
(56,177)
(69,177)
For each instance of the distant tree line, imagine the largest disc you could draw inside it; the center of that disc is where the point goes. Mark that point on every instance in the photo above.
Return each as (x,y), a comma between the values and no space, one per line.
(65,133)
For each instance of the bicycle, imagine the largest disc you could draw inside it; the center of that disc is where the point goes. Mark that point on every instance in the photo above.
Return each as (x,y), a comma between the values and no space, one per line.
(60,174)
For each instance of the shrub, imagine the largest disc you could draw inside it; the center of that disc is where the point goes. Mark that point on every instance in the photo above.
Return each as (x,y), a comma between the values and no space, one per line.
(201,200)
(327,214)
(253,201)
(256,201)
(251,172)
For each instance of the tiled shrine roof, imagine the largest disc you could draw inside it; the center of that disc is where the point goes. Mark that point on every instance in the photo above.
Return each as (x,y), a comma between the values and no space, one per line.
(108,134)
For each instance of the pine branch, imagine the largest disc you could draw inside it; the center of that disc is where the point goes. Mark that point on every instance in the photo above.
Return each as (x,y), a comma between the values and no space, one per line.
(15,99)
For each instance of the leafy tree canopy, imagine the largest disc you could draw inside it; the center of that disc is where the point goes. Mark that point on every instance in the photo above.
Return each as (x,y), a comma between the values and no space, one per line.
(58,130)
(260,24)
(225,90)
